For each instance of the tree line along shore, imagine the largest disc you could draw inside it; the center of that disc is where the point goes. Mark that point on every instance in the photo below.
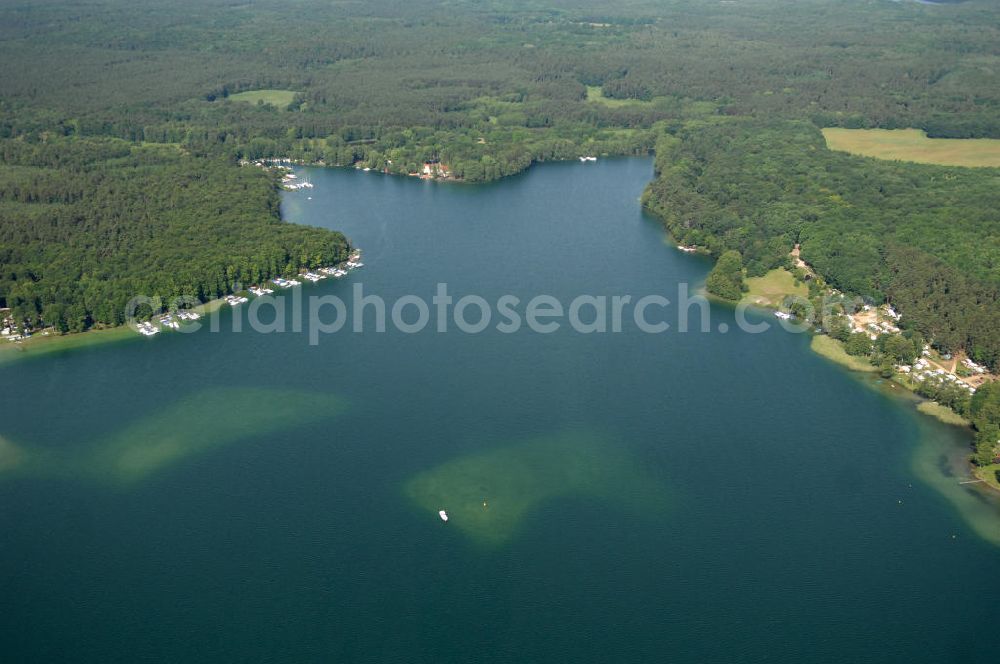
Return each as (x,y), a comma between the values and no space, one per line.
(876,339)
(120,174)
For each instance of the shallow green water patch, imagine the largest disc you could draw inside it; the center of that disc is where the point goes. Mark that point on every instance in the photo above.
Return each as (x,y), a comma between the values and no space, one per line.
(41,346)
(194,424)
(942,462)
(10,455)
(488,495)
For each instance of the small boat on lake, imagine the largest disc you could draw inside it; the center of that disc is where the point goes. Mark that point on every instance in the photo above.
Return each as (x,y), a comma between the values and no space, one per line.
(443,515)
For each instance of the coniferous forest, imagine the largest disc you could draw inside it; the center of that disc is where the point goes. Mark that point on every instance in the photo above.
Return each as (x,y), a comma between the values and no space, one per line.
(123,126)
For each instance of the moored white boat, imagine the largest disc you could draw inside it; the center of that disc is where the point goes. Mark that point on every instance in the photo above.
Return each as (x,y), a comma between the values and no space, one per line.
(147,329)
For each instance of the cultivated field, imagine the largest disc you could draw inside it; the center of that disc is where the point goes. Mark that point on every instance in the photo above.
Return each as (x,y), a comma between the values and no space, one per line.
(913,145)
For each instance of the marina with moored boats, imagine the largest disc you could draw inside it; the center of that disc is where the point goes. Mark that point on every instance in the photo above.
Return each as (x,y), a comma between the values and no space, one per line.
(173,319)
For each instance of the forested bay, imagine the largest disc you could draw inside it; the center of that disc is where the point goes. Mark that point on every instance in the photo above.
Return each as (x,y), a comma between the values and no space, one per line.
(122,127)
(88,224)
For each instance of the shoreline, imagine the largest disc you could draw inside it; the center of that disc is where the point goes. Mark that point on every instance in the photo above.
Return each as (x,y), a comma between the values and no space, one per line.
(925,406)
(834,351)
(45,343)
(988,476)
(434,176)
(41,344)
(941,456)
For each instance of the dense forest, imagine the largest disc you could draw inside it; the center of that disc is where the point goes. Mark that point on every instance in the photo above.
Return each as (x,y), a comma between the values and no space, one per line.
(87,224)
(121,127)
(925,238)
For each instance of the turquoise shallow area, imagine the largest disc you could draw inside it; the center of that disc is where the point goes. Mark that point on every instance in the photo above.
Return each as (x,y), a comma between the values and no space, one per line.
(675,497)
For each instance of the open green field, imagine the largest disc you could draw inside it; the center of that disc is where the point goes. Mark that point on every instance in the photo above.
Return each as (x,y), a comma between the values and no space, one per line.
(278,98)
(771,289)
(595,94)
(913,145)
(834,351)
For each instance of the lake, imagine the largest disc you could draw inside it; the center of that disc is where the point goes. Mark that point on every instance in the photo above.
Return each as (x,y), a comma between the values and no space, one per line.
(629,496)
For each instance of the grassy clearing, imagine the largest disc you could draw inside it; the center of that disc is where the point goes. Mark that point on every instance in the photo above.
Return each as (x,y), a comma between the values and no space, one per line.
(943,413)
(773,287)
(276,98)
(913,145)
(989,475)
(834,351)
(595,94)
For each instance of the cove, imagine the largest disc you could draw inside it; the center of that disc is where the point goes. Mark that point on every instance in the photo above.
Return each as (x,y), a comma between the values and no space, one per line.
(699,496)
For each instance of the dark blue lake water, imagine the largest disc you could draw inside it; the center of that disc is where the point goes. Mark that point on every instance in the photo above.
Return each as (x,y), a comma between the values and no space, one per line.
(683,497)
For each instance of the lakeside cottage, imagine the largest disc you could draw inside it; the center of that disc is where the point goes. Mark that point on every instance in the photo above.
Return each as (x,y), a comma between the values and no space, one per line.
(434,169)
